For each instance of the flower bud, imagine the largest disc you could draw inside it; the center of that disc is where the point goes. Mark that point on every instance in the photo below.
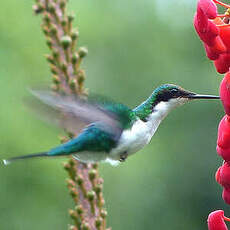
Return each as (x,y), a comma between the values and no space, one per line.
(82,52)
(75,35)
(92,174)
(91,195)
(66,41)
(71,17)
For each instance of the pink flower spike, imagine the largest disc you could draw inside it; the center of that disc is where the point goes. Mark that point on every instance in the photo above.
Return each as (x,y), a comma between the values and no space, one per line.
(216,220)
(208,7)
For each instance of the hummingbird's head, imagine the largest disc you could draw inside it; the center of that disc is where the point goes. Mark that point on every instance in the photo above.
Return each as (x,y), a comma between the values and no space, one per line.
(164,99)
(176,95)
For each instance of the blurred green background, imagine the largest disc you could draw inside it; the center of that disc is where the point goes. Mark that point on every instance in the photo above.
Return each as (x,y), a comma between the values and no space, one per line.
(134,46)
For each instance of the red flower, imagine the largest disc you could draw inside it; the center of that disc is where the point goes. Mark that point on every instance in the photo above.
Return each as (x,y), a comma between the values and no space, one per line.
(214,32)
(216,220)
(218,178)
(223,140)
(223,175)
(223,178)
(225,92)
(226,195)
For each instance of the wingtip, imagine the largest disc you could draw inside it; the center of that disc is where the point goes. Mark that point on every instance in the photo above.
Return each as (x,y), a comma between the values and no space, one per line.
(6,162)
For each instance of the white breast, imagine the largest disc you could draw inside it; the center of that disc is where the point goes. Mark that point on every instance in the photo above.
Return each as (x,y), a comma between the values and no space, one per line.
(132,140)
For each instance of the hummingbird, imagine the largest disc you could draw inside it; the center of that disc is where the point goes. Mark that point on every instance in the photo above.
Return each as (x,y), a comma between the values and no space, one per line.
(109,131)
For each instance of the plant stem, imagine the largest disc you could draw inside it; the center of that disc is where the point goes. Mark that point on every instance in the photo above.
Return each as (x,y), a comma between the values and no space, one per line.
(84,183)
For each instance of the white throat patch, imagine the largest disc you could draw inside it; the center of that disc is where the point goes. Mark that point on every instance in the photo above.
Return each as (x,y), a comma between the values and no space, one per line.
(161,110)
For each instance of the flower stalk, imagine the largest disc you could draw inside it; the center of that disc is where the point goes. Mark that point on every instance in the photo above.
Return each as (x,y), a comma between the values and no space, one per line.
(84,183)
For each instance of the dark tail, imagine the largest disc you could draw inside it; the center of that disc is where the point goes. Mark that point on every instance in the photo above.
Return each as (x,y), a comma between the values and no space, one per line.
(10,160)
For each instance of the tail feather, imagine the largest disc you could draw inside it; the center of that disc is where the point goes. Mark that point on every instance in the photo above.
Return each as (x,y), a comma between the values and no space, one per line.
(10,160)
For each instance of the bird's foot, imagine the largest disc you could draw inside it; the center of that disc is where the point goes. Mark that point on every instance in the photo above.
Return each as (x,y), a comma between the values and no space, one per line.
(123,157)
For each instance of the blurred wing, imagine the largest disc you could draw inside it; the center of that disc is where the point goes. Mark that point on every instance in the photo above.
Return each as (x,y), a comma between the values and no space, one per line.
(72,113)
(54,116)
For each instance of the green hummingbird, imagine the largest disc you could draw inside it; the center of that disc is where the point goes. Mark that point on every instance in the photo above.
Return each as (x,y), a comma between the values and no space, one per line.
(112,131)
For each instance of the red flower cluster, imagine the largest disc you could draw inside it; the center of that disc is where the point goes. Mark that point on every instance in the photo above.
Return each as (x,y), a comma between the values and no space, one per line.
(223,140)
(214,32)
(216,220)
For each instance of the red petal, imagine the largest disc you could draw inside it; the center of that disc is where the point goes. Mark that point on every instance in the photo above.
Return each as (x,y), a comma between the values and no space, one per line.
(224,176)
(214,51)
(212,55)
(218,47)
(225,93)
(217,176)
(224,153)
(209,8)
(226,195)
(223,140)
(225,35)
(213,29)
(200,21)
(216,221)
(206,29)
(222,64)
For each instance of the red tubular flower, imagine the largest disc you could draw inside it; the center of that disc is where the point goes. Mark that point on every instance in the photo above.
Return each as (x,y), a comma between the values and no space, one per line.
(217,176)
(225,92)
(205,28)
(216,220)
(226,195)
(222,63)
(214,32)
(223,140)
(223,178)
(208,7)
(223,175)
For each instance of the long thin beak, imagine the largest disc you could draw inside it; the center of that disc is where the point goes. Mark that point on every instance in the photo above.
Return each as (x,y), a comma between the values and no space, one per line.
(200,96)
